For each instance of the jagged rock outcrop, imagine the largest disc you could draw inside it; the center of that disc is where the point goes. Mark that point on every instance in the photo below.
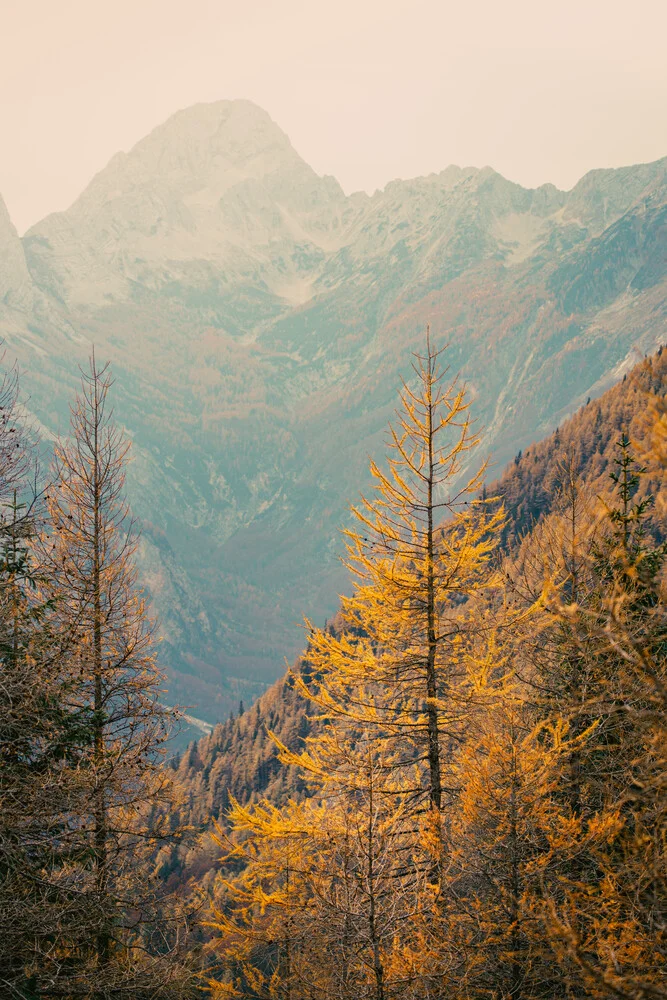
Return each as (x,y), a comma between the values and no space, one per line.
(16,289)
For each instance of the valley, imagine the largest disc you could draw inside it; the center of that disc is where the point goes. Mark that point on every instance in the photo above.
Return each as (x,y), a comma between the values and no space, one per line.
(258,321)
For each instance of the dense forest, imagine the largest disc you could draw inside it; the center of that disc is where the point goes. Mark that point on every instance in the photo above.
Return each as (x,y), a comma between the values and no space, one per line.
(460,788)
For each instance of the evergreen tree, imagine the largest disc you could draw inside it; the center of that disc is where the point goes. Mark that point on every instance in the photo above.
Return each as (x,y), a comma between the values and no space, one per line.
(36,732)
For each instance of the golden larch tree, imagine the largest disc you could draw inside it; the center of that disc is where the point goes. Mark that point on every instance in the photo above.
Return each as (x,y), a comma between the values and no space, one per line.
(423,545)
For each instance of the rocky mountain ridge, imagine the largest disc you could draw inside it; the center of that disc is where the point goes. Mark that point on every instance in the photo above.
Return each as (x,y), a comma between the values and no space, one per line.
(258,321)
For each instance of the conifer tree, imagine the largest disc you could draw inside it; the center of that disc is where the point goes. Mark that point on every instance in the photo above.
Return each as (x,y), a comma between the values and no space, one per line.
(511,836)
(598,572)
(28,794)
(551,571)
(261,914)
(423,545)
(41,740)
(383,910)
(330,902)
(35,730)
(114,688)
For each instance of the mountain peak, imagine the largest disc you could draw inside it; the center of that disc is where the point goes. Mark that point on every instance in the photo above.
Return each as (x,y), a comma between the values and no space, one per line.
(235,131)
(205,146)
(218,183)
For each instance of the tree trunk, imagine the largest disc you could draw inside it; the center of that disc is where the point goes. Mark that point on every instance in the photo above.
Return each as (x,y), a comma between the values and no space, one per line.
(101,858)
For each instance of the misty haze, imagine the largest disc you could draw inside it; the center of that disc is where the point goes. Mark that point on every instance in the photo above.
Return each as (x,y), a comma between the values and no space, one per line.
(332,658)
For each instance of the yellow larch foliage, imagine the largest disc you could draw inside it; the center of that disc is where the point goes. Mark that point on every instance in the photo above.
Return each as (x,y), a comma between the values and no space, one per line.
(423,545)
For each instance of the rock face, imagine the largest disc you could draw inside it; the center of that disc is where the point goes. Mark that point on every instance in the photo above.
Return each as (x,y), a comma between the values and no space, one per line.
(258,321)
(16,289)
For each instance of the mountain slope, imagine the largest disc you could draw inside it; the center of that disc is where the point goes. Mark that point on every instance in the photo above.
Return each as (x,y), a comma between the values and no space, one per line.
(259,321)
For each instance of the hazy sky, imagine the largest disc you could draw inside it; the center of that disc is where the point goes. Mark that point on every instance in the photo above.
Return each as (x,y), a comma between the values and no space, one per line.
(367,90)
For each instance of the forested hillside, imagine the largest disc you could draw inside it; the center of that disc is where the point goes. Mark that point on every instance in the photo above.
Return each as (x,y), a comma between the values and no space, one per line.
(485,808)
(529,484)
(241,760)
(238,760)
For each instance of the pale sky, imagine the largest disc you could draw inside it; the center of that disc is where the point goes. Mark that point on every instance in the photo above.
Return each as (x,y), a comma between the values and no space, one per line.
(367,90)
